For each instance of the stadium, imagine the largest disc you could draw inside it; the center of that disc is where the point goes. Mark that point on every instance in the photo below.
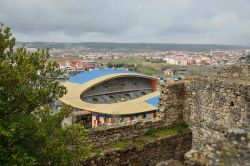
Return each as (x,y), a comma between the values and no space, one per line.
(111,96)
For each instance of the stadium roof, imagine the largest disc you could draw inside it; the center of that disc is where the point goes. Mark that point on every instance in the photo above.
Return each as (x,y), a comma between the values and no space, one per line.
(153,101)
(81,82)
(90,75)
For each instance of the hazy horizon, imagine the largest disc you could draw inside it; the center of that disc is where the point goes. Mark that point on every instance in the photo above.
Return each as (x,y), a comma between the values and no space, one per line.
(133,43)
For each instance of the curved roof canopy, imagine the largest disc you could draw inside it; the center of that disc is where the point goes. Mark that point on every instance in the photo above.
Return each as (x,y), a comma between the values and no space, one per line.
(90,75)
(83,81)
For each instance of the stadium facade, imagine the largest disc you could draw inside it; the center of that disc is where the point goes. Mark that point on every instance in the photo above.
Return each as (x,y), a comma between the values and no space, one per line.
(112,96)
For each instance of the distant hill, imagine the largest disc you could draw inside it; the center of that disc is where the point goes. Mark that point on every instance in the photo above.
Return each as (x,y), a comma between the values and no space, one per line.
(129,46)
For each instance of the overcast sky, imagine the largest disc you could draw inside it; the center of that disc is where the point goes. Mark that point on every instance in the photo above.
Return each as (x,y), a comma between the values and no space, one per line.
(156,21)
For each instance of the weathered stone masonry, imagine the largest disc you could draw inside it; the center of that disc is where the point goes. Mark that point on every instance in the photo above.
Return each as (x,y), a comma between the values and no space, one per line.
(153,152)
(172,147)
(210,106)
(110,134)
(214,107)
(235,150)
(219,118)
(171,103)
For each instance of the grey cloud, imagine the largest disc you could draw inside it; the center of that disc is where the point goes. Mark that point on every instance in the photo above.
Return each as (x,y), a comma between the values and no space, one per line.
(166,21)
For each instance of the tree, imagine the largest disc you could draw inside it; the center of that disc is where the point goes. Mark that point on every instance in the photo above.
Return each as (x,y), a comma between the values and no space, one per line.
(23,83)
(30,133)
(109,65)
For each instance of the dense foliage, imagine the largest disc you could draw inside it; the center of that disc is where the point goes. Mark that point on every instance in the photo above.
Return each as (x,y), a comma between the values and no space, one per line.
(30,133)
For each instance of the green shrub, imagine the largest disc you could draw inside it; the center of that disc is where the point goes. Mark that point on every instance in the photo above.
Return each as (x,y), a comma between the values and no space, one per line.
(138,143)
(180,127)
(151,132)
(99,152)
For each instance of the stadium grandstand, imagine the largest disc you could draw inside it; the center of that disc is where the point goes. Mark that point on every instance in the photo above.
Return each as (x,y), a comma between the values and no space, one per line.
(112,96)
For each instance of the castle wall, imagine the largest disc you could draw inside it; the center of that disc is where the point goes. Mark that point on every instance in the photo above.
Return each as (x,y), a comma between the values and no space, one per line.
(171,103)
(232,151)
(214,106)
(106,135)
(210,106)
(173,147)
